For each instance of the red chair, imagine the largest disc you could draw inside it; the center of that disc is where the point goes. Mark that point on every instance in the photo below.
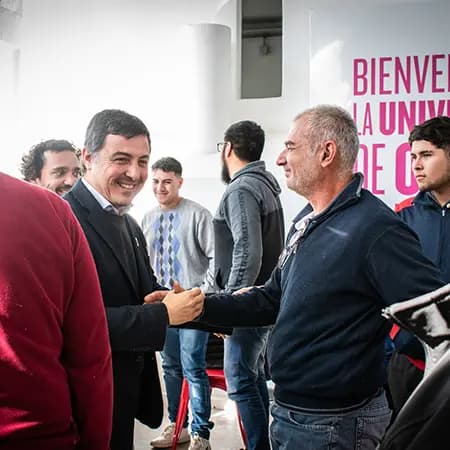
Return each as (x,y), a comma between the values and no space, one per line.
(216,380)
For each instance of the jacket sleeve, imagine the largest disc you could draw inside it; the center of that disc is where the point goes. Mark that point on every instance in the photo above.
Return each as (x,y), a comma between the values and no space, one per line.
(406,343)
(86,353)
(137,327)
(243,217)
(398,268)
(257,307)
(400,271)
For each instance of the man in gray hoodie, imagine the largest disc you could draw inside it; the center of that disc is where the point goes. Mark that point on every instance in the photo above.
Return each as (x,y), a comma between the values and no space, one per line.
(249,235)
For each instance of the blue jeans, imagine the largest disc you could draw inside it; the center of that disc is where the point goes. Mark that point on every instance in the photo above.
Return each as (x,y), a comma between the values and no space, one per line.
(184,355)
(356,429)
(246,382)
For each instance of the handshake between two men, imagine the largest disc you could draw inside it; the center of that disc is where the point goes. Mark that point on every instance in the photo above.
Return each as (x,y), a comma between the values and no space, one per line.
(182,305)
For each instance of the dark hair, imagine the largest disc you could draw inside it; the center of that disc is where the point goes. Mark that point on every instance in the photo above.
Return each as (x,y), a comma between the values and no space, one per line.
(112,121)
(168,164)
(435,130)
(33,161)
(247,140)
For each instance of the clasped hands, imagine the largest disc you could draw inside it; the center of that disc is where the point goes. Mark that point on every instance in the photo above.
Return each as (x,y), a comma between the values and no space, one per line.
(182,305)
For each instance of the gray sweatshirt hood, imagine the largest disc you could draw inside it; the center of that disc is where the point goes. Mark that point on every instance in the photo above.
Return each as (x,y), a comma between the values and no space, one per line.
(257,169)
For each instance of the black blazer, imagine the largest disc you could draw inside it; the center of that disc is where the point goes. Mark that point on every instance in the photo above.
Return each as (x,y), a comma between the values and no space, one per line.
(133,326)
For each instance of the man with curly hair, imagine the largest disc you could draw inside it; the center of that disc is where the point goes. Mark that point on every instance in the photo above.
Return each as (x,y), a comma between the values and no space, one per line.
(53,164)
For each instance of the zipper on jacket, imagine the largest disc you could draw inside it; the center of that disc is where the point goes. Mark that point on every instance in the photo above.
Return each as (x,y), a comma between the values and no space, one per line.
(447,206)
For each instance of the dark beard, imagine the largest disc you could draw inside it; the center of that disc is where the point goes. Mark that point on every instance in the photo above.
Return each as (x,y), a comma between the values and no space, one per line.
(225,174)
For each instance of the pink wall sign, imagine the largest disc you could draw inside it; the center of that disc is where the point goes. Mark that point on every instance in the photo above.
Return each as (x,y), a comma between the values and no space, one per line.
(389,74)
(377,82)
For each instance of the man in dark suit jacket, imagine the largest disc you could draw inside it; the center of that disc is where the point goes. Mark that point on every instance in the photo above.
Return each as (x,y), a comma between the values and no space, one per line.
(116,155)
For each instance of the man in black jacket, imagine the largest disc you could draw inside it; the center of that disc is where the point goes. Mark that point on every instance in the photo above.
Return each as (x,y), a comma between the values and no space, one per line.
(116,155)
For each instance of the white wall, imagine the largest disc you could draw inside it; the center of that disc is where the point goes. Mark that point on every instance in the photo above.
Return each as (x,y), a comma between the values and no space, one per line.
(78,57)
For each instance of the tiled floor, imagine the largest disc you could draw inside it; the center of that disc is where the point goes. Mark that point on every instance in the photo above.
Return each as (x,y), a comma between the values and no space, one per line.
(224,436)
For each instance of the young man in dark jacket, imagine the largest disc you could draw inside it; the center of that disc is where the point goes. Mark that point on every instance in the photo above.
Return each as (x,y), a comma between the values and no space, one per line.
(428,214)
(347,256)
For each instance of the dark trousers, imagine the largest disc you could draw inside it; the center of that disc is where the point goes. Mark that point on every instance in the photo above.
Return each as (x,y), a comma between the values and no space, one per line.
(127,370)
(403,377)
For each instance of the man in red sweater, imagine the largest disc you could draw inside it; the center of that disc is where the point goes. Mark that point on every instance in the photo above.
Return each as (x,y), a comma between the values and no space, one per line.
(55,358)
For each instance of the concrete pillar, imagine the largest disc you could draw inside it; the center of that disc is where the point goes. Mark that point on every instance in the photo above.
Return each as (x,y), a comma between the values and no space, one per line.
(206,81)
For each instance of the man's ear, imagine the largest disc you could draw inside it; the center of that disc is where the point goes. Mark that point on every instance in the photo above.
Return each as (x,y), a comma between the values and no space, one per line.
(228,149)
(328,153)
(35,181)
(86,158)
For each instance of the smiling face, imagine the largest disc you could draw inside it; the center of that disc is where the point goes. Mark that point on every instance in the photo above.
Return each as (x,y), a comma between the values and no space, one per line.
(166,187)
(119,169)
(60,171)
(431,167)
(301,165)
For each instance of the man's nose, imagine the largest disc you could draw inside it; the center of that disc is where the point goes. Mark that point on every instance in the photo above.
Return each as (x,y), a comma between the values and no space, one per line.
(133,171)
(70,179)
(281,160)
(416,164)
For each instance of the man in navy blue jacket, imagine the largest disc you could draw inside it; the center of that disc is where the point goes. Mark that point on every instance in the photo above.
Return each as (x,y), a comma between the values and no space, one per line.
(347,256)
(428,214)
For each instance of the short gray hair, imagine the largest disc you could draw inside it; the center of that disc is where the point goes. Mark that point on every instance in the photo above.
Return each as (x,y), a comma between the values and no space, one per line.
(330,122)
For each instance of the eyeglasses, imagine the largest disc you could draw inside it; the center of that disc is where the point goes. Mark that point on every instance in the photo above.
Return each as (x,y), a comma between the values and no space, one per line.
(220,146)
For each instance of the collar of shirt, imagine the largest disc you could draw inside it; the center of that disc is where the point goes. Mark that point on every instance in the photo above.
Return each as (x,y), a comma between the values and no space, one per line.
(105,204)
(304,221)
(300,227)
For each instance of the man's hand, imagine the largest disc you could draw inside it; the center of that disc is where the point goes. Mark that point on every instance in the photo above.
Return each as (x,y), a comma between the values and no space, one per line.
(155,296)
(244,290)
(158,296)
(183,306)
(220,335)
